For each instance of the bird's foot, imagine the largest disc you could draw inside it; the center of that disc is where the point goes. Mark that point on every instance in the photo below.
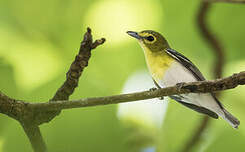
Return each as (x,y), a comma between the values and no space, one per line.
(180,85)
(152,89)
(161,98)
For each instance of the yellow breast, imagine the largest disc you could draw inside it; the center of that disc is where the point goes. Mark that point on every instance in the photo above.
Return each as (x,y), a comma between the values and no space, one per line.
(157,63)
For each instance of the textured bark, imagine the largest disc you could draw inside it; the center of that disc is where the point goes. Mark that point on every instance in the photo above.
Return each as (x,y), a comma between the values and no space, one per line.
(77,67)
(72,76)
(11,107)
(194,87)
(35,137)
(29,118)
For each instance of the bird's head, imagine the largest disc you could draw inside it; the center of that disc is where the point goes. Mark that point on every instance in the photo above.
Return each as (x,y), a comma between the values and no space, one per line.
(152,40)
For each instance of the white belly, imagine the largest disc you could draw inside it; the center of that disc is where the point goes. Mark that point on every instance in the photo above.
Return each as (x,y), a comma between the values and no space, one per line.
(177,74)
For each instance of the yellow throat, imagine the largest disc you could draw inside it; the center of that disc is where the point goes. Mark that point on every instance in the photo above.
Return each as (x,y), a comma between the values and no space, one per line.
(157,63)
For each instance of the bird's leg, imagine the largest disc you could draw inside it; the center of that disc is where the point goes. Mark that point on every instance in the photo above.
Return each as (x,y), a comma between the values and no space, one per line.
(158,87)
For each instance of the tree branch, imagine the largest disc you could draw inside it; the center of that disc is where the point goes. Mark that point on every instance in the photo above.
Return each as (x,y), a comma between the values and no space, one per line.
(77,67)
(23,111)
(35,137)
(72,76)
(194,87)
(225,1)
(26,109)
(10,106)
(17,110)
(31,119)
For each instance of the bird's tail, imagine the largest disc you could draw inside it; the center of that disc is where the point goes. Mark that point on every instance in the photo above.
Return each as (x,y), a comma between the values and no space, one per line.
(233,121)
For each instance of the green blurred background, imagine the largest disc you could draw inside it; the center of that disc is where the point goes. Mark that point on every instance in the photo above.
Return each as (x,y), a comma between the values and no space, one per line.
(39,40)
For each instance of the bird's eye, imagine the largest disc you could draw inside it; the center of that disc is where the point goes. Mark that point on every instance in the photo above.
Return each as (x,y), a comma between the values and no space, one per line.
(150,38)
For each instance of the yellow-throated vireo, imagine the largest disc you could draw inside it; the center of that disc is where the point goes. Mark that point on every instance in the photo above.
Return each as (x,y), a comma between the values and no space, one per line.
(168,68)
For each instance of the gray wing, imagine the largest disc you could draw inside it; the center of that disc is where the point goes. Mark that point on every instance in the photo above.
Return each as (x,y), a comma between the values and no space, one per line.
(198,75)
(191,67)
(196,108)
(187,63)
(179,98)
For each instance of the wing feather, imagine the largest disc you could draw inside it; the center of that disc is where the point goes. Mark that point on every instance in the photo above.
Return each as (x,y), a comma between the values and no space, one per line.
(187,63)
(198,75)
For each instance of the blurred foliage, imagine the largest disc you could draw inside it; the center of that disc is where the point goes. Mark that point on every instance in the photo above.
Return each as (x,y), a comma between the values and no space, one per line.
(39,39)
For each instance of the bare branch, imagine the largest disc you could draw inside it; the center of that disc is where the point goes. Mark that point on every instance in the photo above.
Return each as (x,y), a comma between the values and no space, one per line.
(35,137)
(10,107)
(17,110)
(26,110)
(77,67)
(195,87)
(72,76)
(30,119)
(64,92)
(97,43)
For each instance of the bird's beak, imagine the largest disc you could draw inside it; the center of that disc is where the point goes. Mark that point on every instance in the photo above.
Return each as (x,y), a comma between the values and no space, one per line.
(134,34)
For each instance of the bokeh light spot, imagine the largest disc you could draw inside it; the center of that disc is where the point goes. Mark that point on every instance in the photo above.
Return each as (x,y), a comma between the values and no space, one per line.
(34,63)
(145,113)
(1,145)
(112,18)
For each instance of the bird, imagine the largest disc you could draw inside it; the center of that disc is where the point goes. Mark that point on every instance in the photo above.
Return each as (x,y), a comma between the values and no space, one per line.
(169,67)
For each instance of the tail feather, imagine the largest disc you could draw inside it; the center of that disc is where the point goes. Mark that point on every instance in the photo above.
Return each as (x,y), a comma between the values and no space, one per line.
(233,121)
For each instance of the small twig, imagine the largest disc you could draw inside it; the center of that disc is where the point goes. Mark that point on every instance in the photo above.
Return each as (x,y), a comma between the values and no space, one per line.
(97,43)
(74,73)
(225,1)
(72,76)
(77,67)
